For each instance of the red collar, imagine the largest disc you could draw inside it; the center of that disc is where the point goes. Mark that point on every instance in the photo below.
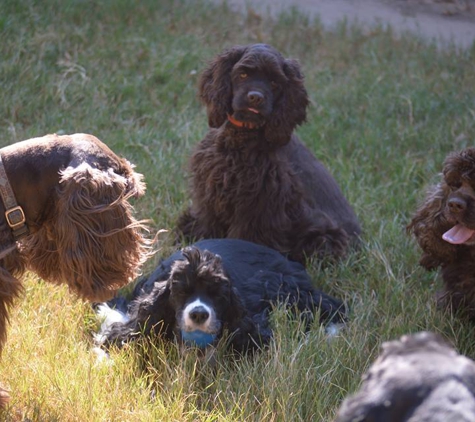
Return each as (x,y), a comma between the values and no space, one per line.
(238,123)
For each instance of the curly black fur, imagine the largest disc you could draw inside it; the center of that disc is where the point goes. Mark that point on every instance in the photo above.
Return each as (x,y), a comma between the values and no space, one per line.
(238,287)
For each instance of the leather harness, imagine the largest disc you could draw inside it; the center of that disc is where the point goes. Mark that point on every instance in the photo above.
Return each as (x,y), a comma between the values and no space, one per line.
(14,214)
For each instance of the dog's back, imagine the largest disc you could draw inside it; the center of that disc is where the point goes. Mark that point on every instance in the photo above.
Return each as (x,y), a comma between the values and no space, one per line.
(56,152)
(34,168)
(321,191)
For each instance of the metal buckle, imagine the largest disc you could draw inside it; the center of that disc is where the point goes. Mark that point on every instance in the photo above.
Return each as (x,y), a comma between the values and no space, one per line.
(15,217)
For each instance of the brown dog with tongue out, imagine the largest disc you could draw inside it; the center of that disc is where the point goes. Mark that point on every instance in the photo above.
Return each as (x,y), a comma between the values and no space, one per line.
(444,227)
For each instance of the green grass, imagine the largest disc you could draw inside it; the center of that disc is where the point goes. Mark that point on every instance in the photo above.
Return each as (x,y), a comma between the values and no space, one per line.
(384,114)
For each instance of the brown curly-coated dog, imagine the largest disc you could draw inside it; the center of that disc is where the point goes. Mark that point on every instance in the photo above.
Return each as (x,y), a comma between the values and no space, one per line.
(74,192)
(444,226)
(251,176)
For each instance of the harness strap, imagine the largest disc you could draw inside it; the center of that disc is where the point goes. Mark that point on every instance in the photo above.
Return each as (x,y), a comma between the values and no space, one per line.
(14,214)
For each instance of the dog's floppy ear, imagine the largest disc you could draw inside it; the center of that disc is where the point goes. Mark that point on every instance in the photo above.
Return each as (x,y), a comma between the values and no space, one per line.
(236,310)
(460,163)
(93,243)
(149,313)
(291,110)
(429,224)
(244,333)
(215,89)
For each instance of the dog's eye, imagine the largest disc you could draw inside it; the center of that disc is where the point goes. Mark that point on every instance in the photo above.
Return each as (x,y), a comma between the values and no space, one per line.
(455,186)
(243,75)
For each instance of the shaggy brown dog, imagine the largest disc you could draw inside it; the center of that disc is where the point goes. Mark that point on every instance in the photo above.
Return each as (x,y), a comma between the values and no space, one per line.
(252,178)
(444,226)
(415,379)
(74,193)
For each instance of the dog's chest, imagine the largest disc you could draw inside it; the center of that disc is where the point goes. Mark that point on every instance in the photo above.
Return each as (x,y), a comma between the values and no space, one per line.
(239,182)
(248,171)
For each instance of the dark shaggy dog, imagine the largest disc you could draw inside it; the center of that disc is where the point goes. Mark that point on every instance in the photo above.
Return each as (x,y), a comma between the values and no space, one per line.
(418,378)
(74,194)
(444,226)
(196,295)
(251,177)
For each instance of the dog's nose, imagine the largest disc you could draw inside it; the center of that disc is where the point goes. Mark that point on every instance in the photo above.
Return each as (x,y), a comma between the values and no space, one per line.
(457,205)
(255,97)
(199,314)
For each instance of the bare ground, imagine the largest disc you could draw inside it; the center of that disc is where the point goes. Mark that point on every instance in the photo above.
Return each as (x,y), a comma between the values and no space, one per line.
(444,21)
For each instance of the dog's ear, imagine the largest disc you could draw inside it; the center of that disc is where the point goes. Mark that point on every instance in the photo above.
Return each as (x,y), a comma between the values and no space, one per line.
(149,313)
(460,164)
(291,109)
(429,224)
(215,88)
(92,240)
(244,333)
(236,310)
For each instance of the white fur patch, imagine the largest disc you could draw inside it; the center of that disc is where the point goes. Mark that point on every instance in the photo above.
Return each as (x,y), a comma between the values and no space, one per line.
(208,326)
(108,316)
(85,170)
(102,357)
(333,330)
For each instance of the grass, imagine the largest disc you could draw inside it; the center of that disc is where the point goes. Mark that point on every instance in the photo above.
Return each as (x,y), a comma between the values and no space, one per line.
(385,111)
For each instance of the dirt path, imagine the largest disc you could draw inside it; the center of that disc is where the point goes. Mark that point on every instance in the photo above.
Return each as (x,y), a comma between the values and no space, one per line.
(445,21)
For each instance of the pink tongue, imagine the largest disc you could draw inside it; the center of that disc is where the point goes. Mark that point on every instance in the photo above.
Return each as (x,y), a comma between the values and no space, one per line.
(458,234)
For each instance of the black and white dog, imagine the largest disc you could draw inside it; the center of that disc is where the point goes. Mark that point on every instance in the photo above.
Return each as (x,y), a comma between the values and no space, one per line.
(415,379)
(213,287)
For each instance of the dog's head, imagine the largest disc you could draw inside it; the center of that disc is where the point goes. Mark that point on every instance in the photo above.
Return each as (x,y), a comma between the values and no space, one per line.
(459,176)
(202,297)
(444,223)
(257,88)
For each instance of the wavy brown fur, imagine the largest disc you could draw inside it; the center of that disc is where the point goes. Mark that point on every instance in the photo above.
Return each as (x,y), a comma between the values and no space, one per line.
(260,183)
(75,193)
(450,202)
(10,289)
